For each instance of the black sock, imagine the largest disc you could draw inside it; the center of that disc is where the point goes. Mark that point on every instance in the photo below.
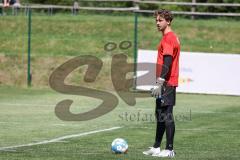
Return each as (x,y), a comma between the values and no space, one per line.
(160,129)
(159,134)
(170,128)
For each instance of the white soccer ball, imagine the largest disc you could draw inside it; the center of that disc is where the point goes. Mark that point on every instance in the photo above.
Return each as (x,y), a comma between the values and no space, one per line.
(119,145)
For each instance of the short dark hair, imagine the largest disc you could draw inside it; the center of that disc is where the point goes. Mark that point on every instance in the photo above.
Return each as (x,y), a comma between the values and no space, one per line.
(166,14)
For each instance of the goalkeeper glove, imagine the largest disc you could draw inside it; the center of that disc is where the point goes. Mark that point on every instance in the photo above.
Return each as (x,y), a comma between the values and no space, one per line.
(157,90)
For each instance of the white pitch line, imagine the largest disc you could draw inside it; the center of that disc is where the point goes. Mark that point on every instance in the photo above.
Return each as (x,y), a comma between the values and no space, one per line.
(58,139)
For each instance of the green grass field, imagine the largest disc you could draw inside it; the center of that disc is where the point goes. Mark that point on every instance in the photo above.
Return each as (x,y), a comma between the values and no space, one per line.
(207,127)
(57,38)
(64,34)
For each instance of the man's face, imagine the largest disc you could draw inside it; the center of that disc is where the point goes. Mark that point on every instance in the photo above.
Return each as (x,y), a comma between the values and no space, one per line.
(161,23)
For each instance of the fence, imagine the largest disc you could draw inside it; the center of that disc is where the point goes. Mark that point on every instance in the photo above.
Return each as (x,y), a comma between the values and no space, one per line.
(135,8)
(34,45)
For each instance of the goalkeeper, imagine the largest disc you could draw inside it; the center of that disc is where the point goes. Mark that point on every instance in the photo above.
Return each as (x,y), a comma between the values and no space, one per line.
(167,72)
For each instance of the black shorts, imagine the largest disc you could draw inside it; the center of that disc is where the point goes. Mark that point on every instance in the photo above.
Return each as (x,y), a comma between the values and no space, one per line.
(168,97)
(12,2)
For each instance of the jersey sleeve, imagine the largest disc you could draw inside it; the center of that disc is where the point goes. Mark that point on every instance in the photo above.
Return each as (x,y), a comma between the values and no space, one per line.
(168,46)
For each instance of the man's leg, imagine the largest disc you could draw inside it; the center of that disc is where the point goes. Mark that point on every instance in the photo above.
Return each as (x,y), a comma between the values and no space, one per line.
(6,3)
(160,129)
(170,130)
(160,118)
(169,99)
(170,127)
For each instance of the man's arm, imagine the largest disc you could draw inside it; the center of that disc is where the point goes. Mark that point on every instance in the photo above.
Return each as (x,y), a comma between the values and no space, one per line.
(167,62)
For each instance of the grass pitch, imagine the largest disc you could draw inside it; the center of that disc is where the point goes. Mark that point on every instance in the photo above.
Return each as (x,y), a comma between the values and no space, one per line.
(207,127)
(67,35)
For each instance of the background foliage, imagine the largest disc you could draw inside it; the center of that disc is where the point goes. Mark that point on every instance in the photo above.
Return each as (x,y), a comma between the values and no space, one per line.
(146,6)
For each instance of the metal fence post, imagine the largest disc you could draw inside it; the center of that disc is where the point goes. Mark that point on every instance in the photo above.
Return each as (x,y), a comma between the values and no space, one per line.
(135,46)
(29,76)
(193,9)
